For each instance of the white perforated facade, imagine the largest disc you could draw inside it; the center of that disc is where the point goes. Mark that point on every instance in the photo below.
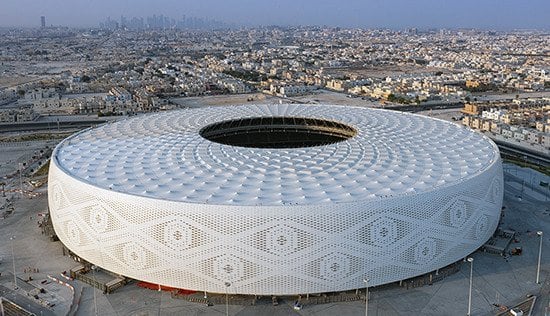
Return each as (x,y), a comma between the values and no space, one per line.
(151,199)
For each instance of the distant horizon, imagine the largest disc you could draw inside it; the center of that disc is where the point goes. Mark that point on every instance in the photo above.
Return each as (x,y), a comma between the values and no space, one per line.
(426,29)
(236,26)
(498,15)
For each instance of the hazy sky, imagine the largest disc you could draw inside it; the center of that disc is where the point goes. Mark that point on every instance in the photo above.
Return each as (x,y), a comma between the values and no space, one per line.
(491,14)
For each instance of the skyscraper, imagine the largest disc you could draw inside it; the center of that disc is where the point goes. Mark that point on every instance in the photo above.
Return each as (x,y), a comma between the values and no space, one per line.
(43,21)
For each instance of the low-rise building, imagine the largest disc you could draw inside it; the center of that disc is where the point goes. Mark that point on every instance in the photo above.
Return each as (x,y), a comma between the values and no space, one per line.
(18,115)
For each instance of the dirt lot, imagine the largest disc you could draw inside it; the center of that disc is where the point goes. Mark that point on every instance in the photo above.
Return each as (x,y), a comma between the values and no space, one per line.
(380,71)
(234,99)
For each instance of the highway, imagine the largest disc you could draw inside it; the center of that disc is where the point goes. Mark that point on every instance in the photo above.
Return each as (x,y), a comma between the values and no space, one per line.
(48,126)
(507,149)
(425,107)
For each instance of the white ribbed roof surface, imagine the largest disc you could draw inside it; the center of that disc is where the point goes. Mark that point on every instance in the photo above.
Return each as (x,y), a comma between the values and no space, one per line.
(163,156)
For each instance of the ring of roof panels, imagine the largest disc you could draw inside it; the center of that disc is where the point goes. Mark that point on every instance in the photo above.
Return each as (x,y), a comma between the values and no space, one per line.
(164,156)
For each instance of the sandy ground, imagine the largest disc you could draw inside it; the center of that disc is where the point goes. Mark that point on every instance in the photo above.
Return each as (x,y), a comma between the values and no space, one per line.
(381,71)
(317,97)
(230,99)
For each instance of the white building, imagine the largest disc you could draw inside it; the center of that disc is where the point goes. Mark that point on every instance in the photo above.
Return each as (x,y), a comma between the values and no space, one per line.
(41,93)
(493,114)
(275,199)
(118,94)
(293,90)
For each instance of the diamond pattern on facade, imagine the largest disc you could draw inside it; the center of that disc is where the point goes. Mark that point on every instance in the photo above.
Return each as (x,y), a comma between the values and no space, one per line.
(334,266)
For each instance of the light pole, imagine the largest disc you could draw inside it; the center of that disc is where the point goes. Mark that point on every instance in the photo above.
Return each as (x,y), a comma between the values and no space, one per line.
(13,262)
(20,178)
(227,285)
(471,261)
(366,280)
(160,298)
(539,233)
(93,288)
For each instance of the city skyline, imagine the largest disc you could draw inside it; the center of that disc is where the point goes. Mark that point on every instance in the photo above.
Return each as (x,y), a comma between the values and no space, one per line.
(394,14)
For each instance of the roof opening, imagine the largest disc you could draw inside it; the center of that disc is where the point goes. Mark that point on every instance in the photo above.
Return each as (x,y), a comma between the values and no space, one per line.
(277,132)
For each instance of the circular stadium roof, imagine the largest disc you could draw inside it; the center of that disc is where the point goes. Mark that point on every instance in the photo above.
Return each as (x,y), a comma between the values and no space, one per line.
(353,154)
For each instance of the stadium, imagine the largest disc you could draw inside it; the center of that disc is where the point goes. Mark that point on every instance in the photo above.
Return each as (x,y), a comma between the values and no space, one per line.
(275,199)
